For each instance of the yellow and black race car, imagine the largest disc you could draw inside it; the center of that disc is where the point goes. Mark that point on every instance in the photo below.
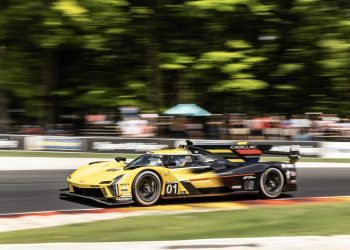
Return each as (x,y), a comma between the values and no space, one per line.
(187,171)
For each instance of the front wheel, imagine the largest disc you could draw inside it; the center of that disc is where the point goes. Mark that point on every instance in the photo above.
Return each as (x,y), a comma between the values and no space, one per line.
(146,188)
(271,183)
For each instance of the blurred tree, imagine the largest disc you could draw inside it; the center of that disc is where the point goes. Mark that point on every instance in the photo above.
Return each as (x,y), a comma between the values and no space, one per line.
(62,56)
(48,30)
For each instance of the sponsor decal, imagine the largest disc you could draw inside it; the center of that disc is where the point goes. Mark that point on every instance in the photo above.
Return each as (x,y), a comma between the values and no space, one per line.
(8,144)
(110,146)
(249,185)
(61,144)
(243,147)
(171,188)
(112,169)
(53,143)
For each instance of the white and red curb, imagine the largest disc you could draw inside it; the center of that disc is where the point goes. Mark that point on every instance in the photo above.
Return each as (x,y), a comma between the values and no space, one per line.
(22,221)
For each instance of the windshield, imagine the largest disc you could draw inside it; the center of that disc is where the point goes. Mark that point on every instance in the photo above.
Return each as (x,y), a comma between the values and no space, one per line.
(147,160)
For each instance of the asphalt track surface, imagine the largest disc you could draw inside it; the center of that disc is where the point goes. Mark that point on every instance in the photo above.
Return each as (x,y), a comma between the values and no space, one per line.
(38,190)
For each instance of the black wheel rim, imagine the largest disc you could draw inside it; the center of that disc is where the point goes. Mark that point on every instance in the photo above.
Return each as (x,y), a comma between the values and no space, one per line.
(273,182)
(147,188)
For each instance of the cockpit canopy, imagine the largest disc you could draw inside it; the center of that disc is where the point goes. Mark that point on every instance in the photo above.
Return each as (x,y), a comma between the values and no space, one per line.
(172,161)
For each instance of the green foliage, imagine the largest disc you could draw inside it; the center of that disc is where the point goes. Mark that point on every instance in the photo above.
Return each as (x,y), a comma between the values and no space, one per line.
(235,65)
(240,84)
(173,61)
(226,55)
(70,8)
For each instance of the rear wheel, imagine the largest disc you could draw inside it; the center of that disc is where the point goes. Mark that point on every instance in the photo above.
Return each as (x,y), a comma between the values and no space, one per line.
(271,183)
(146,188)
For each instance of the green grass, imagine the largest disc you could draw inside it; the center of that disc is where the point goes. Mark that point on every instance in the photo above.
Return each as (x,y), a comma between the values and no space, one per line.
(297,220)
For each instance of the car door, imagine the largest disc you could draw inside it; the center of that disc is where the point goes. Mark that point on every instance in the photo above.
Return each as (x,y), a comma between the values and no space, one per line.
(193,172)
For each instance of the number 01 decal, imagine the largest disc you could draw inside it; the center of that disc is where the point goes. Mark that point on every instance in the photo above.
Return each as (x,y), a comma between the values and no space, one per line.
(171,188)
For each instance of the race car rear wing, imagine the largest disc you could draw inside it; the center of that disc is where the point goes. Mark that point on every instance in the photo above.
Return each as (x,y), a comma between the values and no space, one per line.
(243,151)
(293,154)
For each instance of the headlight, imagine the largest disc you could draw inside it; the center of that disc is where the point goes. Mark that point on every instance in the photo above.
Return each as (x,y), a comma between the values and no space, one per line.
(113,188)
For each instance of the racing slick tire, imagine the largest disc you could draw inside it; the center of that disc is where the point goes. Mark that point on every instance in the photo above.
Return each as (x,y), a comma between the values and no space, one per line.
(146,188)
(271,183)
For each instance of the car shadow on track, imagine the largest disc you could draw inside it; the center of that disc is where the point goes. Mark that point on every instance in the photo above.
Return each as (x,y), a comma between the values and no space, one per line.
(176,201)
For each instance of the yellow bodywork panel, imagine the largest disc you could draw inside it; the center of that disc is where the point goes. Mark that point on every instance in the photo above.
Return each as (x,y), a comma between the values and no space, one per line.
(102,174)
(94,176)
(198,180)
(96,173)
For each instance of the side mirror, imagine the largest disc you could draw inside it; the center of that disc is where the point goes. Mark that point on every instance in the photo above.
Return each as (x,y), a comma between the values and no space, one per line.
(118,159)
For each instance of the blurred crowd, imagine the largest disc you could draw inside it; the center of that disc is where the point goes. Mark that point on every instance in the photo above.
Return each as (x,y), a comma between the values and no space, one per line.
(300,127)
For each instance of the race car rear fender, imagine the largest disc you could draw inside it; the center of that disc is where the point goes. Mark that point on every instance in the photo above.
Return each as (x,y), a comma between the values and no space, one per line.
(256,170)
